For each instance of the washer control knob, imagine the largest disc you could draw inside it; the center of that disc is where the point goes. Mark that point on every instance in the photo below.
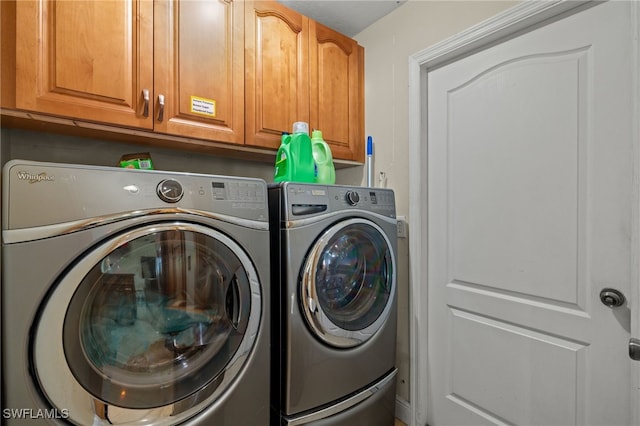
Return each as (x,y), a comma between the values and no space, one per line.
(170,190)
(352,198)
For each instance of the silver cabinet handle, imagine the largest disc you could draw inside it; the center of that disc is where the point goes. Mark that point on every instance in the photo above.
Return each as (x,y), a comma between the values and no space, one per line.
(161,103)
(145,97)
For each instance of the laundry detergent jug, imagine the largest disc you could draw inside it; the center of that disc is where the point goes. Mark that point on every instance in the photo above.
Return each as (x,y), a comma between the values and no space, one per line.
(326,172)
(294,159)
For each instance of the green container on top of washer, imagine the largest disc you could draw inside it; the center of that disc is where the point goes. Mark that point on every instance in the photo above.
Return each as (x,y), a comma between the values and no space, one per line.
(325,170)
(294,159)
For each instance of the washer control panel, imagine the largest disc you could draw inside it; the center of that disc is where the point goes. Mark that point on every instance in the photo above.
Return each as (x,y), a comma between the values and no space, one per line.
(75,192)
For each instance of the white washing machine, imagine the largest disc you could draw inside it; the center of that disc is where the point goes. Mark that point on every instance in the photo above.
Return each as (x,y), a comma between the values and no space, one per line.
(334,308)
(133,297)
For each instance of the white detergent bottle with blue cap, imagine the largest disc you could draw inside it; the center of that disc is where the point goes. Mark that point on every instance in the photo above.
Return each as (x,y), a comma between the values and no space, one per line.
(326,172)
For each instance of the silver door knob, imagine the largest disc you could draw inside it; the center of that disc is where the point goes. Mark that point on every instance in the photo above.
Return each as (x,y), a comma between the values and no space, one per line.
(612,297)
(634,349)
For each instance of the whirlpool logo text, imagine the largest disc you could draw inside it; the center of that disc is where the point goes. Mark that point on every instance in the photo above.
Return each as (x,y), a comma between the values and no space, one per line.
(35,178)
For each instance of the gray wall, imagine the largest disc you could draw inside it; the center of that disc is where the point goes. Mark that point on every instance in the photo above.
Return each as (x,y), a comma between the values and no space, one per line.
(28,145)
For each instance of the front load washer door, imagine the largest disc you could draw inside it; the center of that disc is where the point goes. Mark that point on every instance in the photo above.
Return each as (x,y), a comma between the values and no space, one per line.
(347,284)
(152,324)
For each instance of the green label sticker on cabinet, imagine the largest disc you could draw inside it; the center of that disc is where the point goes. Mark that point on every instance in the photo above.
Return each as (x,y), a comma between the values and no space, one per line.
(203,106)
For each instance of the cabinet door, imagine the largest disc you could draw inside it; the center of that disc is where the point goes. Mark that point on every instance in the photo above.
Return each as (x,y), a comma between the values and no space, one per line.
(337,94)
(85,59)
(277,71)
(199,69)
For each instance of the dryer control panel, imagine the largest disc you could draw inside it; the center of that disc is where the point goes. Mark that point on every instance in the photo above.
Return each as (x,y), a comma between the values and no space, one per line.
(310,199)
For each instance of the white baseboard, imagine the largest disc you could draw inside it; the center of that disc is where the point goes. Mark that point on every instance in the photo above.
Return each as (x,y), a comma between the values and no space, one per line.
(403,410)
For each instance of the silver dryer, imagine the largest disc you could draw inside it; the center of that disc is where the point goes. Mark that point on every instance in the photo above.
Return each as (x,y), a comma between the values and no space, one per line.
(334,305)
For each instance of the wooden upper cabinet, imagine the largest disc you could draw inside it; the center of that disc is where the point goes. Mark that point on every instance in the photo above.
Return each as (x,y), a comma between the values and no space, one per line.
(167,66)
(81,60)
(300,70)
(337,100)
(199,69)
(277,71)
(239,72)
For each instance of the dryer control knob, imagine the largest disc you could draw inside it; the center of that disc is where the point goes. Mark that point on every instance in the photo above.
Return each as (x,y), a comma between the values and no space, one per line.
(170,190)
(352,198)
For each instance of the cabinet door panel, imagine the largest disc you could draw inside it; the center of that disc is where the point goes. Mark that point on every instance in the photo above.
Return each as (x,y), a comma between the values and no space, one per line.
(81,59)
(277,76)
(337,100)
(199,69)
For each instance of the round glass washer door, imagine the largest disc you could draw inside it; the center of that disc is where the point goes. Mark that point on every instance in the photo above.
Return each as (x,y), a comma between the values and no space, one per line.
(162,316)
(348,283)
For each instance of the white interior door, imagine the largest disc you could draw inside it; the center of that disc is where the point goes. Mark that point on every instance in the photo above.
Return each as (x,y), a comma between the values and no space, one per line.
(530,190)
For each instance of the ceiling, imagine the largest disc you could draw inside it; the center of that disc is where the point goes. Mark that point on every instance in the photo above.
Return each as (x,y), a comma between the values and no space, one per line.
(347,17)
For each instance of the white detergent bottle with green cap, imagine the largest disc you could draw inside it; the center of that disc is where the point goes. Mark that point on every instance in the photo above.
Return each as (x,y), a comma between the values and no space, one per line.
(326,172)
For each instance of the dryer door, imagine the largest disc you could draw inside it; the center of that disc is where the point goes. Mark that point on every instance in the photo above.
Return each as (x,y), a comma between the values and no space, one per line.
(348,283)
(155,323)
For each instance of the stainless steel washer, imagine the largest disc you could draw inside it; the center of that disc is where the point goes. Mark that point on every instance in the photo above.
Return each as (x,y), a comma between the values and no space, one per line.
(134,297)
(334,308)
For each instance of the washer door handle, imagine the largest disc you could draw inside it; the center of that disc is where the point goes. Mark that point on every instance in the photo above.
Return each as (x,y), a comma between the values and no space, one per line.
(313,306)
(233,305)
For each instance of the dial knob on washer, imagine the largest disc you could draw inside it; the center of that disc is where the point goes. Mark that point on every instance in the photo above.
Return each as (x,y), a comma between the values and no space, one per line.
(352,198)
(170,190)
